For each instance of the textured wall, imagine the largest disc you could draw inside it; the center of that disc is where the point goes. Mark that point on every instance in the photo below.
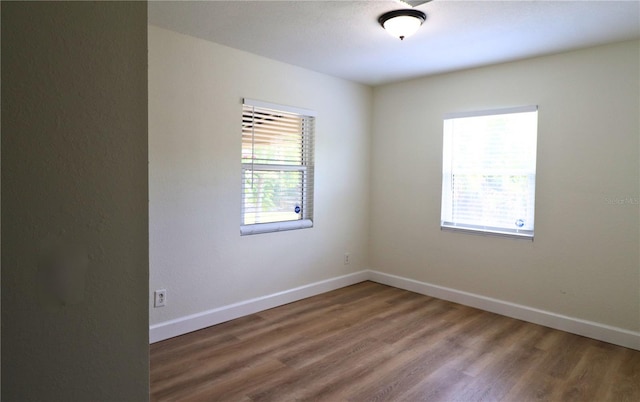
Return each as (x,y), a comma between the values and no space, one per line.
(195,106)
(74,201)
(584,262)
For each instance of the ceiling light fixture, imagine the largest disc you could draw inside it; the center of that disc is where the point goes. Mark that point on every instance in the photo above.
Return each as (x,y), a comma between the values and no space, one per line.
(402,23)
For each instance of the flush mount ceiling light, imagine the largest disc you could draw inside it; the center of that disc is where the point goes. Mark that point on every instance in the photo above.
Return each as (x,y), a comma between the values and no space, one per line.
(402,23)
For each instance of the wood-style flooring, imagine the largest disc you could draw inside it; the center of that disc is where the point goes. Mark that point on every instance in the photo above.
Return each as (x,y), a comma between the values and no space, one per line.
(371,342)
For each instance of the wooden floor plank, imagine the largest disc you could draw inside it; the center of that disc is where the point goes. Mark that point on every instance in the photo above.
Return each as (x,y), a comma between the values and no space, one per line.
(371,342)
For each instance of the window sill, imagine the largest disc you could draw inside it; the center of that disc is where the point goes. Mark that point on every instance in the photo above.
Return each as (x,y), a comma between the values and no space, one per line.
(479,230)
(275,227)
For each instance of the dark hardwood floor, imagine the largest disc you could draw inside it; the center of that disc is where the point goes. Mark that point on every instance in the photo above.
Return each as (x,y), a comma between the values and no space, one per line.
(371,342)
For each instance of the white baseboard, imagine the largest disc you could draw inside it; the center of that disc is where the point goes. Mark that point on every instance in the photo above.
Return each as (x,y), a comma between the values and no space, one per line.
(590,329)
(194,322)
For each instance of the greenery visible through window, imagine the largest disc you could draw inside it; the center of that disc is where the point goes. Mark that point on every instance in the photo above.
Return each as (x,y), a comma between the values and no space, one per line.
(277,167)
(489,171)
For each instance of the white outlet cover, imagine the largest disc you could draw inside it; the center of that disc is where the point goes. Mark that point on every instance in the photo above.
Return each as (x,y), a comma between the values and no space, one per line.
(160,298)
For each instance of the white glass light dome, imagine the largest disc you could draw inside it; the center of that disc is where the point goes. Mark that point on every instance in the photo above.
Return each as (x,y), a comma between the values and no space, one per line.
(402,23)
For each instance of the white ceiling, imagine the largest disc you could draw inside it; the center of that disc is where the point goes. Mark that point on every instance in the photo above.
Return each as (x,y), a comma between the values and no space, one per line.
(343,38)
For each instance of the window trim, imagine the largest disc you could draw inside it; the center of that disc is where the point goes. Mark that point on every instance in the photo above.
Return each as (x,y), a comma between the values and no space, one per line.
(484,229)
(282,108)
(490,112)
(271,227)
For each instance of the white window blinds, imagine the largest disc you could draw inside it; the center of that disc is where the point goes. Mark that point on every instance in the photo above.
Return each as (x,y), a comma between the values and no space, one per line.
(277,167)
(489,171)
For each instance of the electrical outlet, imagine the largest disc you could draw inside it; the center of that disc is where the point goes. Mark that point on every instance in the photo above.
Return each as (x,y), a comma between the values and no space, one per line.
(347,258)
(160,298)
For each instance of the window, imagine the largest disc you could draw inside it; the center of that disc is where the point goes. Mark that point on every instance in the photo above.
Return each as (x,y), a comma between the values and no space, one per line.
(489,171)
(277,167)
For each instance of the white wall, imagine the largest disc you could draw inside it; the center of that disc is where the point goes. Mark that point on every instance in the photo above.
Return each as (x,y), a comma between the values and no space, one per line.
(74,174)
(584,262)
(195,104)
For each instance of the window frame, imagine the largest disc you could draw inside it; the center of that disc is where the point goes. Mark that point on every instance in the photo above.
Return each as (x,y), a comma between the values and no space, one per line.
(448,173)
(306,168)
